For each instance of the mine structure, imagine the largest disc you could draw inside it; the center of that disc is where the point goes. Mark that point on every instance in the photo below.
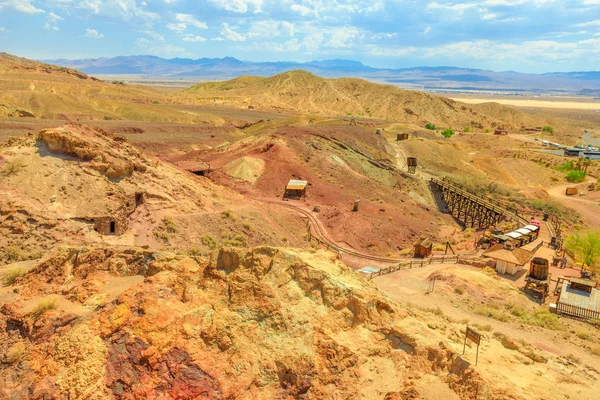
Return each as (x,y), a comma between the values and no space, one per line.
(472,210)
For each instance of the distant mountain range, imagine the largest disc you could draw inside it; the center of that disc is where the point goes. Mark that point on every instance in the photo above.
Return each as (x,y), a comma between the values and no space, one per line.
(443,78)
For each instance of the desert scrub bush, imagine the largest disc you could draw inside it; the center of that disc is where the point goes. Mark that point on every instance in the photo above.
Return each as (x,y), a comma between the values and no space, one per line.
(459,290)
(13,167)
(430,126)
(575,176)
(46,304)
(566,167)
(487,131)
(548,129)
(13,253)
(10,276)
(14,353)
(194,252)
(447,133)
(165,229)
(247,226)
(492,313)
(237,240)
(489,271)
(467,129)
(228,214)
(209,241)
(169,225)
(584,335)
(595,351)
(468,233)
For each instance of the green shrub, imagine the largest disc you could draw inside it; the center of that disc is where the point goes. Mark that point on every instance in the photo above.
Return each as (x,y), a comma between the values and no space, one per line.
(566,167)
(430,126)
(467,129)
(46,304)
(237,240)
(229,215)
(584,335)
(448,133)
(14,253)
(459,290)
(209,241)
(10,276)
(487,131)
(575,176)
(548,129)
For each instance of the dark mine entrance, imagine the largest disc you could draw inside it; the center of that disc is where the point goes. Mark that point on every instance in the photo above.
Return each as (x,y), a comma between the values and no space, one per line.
(112,226)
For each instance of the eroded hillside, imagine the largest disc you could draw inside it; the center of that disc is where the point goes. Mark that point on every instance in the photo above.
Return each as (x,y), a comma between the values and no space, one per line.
(306,93)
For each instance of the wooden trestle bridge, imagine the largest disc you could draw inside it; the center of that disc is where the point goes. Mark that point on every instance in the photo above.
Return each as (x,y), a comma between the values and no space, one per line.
(473,210)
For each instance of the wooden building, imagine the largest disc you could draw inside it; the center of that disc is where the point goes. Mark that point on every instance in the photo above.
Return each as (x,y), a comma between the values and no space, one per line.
(423,249)
(579,299)
(508,261)
(295,189)
(500,132)
(402,136)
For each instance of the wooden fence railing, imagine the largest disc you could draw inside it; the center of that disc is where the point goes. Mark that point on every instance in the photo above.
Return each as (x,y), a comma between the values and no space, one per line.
(577,312)
(422,263)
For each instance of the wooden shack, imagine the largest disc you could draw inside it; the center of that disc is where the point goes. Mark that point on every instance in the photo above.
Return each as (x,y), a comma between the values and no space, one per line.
(579,299)
(423,249)
(508,261)
(571,191)
(402,136)
(251,108)
(500,132)
(295,189)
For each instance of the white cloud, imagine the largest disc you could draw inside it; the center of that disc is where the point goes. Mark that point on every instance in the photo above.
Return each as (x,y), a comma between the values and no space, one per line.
(271,28)
(343,36)
(190,19)
(2,29)
(193,38)
(52,21)
(229,34)
(24,6)
(179,28)
(239,6)
(127,10)
(93,34)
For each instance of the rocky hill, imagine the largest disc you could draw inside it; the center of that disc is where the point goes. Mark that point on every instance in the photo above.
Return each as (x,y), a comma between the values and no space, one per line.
(304,92)
(43,91)
(75,184)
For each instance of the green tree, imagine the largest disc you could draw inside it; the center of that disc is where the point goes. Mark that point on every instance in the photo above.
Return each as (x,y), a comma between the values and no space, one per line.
(575,176)
(430,126)
(448,133)
(585,246)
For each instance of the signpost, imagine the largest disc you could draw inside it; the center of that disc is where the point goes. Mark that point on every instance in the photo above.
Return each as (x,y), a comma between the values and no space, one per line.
(474,337)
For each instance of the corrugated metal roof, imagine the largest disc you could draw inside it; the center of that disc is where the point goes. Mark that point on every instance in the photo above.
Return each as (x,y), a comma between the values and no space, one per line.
(523,231)
(580,298)
(532,228)
(296,185)
(517,256)
(514,235)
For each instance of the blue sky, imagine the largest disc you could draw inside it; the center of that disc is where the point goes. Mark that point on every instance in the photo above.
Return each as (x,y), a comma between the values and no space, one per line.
(520,35)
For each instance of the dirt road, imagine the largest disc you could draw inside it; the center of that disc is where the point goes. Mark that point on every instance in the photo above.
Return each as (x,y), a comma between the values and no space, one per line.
(589,210)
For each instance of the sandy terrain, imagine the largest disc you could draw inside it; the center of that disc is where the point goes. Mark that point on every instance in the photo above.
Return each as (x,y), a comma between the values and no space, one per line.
(549,103)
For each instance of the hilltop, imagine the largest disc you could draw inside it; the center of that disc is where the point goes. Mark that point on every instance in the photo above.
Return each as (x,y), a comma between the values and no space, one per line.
(43,91)
(304,92)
